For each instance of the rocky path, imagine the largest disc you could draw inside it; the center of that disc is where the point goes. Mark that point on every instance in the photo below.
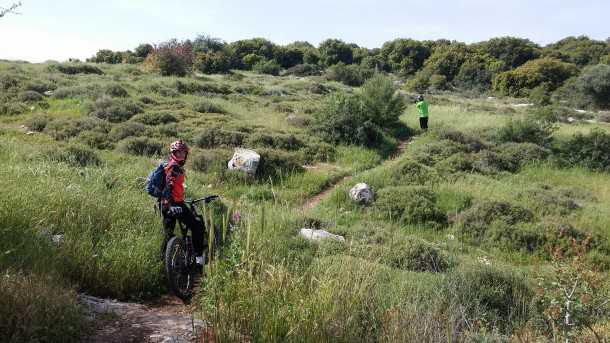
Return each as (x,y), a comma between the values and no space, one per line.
(166,321)
(325,193)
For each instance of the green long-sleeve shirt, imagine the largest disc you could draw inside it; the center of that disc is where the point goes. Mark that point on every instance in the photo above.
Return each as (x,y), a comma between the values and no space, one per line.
(422,107)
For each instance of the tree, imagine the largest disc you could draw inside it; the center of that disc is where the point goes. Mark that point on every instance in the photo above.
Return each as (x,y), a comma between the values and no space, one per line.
(143,50)
(333,51)
(10,9)
(405,56)
(511,50)
(547,72)
(207,43)
(581,50)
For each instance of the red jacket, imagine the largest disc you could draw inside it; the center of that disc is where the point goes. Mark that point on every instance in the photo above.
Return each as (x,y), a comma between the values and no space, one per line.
(174,183)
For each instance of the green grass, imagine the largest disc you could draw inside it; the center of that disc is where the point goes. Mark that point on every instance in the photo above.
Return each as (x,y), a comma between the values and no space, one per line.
(269,284)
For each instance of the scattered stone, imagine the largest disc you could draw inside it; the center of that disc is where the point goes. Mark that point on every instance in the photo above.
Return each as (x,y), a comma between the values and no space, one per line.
(317,235)
(571,119)
(30,133)
(48,93)
(491,97)
(591,121)
(484,260)
(581,111)
(522,105)
(57,239)
(362,193)
(245,160)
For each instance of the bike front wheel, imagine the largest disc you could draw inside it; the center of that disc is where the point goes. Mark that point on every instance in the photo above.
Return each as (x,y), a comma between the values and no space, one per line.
(178,268)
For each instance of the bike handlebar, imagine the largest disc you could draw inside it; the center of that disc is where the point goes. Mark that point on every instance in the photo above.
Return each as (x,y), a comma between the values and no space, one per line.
(207,199)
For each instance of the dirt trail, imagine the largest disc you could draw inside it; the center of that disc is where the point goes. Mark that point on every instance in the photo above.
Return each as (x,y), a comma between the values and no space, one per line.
(316,199)
(168,320)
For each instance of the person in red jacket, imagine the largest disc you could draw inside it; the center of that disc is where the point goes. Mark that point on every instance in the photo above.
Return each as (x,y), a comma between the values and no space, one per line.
(172,201)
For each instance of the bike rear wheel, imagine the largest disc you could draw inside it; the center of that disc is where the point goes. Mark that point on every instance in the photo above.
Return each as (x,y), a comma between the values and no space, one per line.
(179,269)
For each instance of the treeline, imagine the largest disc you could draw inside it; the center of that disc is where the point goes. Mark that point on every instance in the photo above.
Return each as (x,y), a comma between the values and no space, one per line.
(507,65)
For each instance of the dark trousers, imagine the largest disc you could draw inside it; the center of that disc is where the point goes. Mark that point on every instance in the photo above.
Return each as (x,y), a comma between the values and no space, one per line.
(189,221)
(423,123)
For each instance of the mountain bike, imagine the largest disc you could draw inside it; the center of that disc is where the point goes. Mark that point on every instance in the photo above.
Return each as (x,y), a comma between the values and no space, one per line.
(180,266)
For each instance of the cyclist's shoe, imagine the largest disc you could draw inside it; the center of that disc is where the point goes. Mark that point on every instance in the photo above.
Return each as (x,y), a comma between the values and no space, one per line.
(200,260)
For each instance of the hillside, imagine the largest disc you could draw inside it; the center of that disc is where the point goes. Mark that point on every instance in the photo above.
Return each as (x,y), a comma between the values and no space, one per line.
(471,224)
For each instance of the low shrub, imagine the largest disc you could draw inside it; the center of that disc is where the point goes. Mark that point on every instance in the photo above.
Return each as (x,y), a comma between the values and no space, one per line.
(88,91)
(547,201)
(466,141)
(474,222)
(216,137)
(304,70)
(210,161)
(38,309)
(591,150)
(63,129)
(275,141)
(526,131)
(40,86)
(590,89)
(95,139)
(276,163)
(498,299)
(127,129)
(410,205)
(206,106)
(489,162)
(114,110)
(352,74)
(200,88)
(432,152)
(267,67)
(154,118)
(413,173)
(116,90)
(31,96)
(141,146)
(519,154)
(75,155)
(459,162)
(38,122)
(13,108)
(75,68)
(419,256)
(258,194)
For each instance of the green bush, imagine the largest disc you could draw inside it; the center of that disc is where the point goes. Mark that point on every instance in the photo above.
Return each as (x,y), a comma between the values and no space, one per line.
(490,162)
(498,299)
(591,89)
(545,71)
(217,62)
(410,172)
(87,91)
(170,62)
(405,56)
(352,75)
(95,139)
(37,309)
(512,51)
(275,163)
(411,205)
(216,137)
(38,122)
(267,67)
(546,201)
(116,90)
(381,102)
(304,70)
(438,150)
(154,118)
(459,162)
(31,96)
(75,155)
(114,110)
(13,108)
(206,106)
(526,131)
(343,120)
(475,221)
(210,161)
(141,146)
(591,150)
(519,154)
(75,68)
(333,51)
(127,129)
(200,88)
(275,141)
(63,129)
(419,256)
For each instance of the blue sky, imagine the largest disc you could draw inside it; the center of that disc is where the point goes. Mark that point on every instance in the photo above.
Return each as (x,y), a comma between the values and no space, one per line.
(59,29)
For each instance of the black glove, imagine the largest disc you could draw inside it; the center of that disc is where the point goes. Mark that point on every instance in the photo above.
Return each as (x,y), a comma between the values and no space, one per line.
(175,210)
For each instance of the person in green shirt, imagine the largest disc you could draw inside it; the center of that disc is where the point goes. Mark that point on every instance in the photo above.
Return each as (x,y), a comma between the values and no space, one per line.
(422,107)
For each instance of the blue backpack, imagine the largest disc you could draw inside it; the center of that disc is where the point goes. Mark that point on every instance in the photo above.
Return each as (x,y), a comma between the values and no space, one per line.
(155,182)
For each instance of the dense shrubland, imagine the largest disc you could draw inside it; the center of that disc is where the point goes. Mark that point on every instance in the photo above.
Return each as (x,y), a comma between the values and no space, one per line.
(505,65)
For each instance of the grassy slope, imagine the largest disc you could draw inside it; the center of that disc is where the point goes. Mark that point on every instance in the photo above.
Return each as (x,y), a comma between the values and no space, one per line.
(271,284)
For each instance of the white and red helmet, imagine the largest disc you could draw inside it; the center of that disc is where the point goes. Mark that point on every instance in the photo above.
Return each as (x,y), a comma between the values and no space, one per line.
(176,146)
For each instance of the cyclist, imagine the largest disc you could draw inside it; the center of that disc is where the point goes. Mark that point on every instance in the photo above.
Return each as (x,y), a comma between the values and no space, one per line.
(422,107)
(172,201)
